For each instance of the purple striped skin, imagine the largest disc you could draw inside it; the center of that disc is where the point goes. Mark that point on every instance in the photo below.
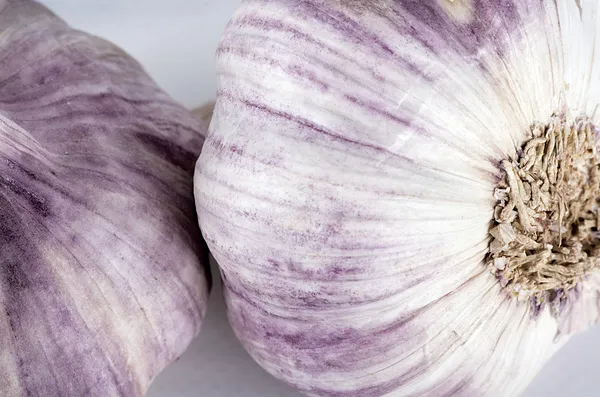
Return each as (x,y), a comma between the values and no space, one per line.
(104,278)
(346,187)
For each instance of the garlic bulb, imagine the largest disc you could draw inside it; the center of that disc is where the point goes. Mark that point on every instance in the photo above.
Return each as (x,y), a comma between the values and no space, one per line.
(101,275)
(401,195)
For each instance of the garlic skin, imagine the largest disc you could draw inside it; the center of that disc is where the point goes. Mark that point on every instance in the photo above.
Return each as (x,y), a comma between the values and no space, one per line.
(103,273)
(347,184)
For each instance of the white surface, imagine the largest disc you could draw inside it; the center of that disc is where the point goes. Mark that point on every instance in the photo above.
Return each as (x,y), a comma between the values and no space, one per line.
(175,40)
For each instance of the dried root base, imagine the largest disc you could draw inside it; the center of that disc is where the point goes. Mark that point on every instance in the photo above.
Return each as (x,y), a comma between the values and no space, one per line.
(545,231)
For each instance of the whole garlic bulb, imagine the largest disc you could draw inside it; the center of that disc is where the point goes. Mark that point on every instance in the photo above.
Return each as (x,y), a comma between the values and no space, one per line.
(102,279)
(381,177)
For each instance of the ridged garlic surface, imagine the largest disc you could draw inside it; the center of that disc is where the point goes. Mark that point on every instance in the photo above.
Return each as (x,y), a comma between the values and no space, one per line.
(347,187)
(101,260)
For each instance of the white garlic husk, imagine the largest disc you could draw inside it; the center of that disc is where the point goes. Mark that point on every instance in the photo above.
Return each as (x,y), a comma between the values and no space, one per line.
(349,181)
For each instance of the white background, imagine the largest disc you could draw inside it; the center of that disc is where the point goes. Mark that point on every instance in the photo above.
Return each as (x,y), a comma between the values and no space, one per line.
(175,40)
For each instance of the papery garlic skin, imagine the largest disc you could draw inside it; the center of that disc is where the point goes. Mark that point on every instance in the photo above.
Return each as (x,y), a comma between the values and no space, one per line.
(101,282)
(347,186)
